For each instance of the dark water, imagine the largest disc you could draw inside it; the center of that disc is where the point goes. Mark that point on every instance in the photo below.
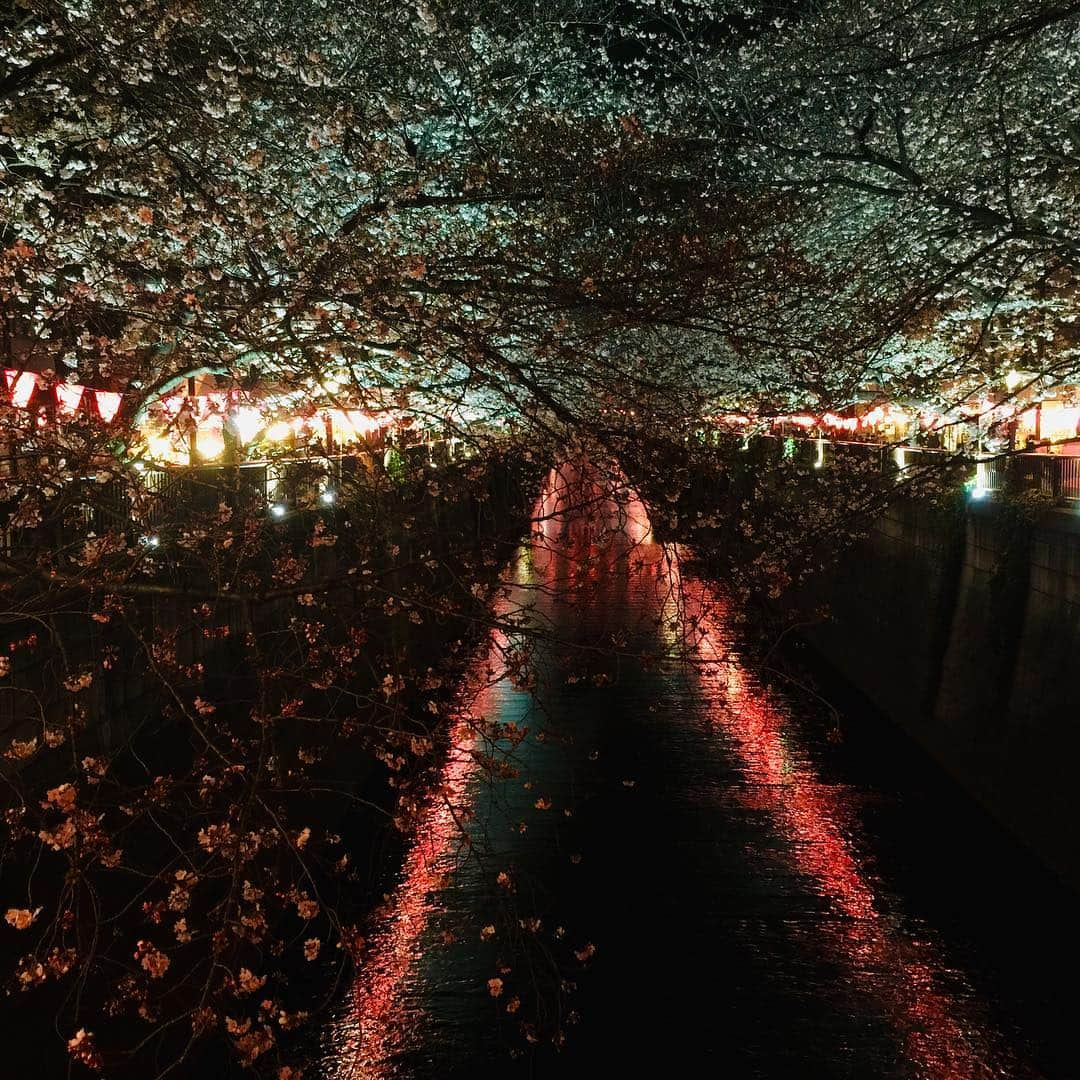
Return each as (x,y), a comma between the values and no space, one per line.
(762,901)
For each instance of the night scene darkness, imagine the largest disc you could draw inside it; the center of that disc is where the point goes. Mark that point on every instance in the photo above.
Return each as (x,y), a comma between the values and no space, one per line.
(539,539)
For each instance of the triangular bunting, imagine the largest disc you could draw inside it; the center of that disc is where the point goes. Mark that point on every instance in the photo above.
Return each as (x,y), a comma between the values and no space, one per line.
(22,387)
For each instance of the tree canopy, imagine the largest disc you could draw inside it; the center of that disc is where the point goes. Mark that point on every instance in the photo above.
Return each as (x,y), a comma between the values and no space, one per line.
(534,224)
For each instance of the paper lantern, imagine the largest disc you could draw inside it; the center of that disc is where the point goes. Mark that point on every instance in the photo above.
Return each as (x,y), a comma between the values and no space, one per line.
(21,385)
(247,422)
(209,438)
(108,404)
(68,398)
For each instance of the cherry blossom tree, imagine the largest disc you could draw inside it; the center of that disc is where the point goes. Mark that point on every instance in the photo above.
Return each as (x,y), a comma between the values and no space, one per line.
(393,208)
(524,225)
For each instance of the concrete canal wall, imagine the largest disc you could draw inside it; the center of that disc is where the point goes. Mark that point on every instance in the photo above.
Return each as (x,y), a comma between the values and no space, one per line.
(964,628)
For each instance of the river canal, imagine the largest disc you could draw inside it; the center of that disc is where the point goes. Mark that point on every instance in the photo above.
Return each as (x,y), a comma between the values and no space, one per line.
(730,891)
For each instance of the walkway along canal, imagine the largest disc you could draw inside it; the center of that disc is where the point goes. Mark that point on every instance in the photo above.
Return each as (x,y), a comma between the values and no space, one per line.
(731,892)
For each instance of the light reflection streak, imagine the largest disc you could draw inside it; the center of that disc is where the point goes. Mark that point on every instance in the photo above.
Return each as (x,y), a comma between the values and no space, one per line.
(371,1033)
(899,974)
(377,1025)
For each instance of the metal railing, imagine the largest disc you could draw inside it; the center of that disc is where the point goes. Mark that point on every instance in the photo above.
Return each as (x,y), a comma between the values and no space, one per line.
(1055,476)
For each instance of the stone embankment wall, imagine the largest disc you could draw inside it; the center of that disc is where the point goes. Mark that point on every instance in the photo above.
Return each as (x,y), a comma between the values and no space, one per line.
(964,628)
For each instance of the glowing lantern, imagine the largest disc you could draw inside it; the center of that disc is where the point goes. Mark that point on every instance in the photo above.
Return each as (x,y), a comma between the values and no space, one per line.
(209,437)
(22,385)
(68,398)
(1060,422)
(247,421)
(165,448)
(278,431)
(108,404)
(351,424)
(303,427)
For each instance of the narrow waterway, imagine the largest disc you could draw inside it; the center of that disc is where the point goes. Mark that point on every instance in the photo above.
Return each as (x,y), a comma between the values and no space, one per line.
(724,888)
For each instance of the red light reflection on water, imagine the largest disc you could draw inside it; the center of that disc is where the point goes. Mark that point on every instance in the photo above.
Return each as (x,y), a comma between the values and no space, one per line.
(375,1028)
(380,1021)
(897,973)
(377,1025)
(372,1032)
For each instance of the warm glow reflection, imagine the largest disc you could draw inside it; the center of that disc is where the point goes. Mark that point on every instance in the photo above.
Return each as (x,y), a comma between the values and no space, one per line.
(599,537)
(898,973)
(378,1023)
